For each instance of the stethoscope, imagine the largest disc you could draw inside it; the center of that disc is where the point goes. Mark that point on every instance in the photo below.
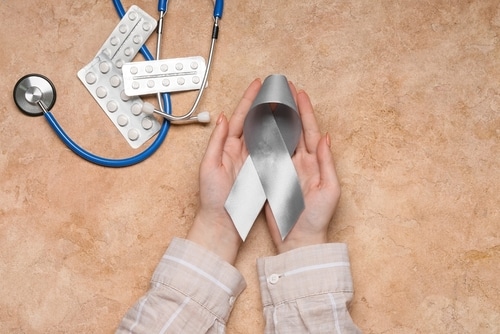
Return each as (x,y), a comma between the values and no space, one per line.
(35,95)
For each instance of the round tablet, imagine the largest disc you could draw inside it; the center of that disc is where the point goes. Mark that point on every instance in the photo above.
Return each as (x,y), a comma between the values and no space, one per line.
(124,96)
(91,78)
(122,120)
(112,106)
(115,81)
(137,39)
(132,16)
(101,92)
(136,109)
(133,134)
(119,63)
(104,67)
(147,123)
(128,51)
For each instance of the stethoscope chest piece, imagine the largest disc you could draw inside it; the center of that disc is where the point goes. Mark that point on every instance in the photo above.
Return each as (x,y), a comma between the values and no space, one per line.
(31,90)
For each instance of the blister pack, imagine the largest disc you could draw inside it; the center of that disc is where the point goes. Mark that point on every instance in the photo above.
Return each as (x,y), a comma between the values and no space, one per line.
(163,76)
(103,77)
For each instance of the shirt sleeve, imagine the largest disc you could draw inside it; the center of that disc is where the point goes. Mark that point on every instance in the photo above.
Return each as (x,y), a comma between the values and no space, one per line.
(307,290)
(192,291)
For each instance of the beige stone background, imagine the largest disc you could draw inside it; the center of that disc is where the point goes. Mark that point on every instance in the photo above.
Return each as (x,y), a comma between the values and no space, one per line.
(408,90)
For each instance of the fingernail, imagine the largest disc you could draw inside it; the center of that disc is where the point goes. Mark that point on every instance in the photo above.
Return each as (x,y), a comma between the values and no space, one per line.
(328,141)
(219,120)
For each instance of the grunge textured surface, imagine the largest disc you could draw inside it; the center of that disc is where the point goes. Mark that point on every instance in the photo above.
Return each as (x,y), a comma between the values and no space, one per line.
(408,90)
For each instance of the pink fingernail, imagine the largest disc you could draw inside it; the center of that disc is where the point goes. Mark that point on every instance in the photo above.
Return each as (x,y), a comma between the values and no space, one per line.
(219,120)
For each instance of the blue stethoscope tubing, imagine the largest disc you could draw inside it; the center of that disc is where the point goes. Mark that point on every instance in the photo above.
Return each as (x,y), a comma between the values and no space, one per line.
(167,106)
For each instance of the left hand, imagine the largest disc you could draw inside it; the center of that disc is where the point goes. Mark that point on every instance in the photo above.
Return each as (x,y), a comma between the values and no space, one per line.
(226,152)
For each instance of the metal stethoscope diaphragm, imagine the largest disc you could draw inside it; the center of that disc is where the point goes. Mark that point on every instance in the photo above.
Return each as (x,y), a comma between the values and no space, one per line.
(34,94)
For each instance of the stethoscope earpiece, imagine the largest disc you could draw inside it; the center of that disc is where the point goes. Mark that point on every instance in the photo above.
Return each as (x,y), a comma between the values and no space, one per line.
(31,90)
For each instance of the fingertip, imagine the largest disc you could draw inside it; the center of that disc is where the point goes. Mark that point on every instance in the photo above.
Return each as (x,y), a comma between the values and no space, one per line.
(256,82)
(216,141)
(220,119)
(325,159)
(324,146)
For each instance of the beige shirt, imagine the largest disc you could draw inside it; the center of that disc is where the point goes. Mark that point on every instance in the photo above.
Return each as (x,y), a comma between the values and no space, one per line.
(306,290)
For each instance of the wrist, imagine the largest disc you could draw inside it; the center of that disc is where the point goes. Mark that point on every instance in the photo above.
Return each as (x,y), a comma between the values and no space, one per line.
(217,234)
(291,244)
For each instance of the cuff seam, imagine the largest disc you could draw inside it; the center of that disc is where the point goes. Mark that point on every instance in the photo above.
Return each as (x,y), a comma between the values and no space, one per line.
(292,299)
(218,316)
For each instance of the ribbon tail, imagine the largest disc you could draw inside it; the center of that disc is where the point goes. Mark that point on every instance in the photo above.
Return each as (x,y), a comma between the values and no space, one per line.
(287,203)
(246,199)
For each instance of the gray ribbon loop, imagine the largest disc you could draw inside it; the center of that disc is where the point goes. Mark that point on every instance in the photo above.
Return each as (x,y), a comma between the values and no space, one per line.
(272,131)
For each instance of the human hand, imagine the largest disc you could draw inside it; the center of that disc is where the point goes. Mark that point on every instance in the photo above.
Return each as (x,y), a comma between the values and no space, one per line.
(225,154)
(320,186)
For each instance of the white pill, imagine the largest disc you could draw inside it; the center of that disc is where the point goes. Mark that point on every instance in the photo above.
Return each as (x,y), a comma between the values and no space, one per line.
(114,41)
(119,63)
(151,83)
(164,67)
(133,134)
(115,81)
(91,78)
(137,39)
(104,67)
(146,26)
(148,68)
(124,96)
(136,109)
(181,81)
(128,52)
(194,65)
(123,28)
(178,66)
(196,80)
(134,70)
(122,120)
(165,82)
(132,16)
(147,123)
(101,92)
(112,106)
(135,85)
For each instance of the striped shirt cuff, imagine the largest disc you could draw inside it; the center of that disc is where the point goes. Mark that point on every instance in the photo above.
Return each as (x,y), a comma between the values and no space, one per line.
(201,275)
(320,269)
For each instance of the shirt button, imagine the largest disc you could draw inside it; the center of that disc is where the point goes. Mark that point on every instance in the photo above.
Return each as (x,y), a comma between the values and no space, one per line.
(273,279)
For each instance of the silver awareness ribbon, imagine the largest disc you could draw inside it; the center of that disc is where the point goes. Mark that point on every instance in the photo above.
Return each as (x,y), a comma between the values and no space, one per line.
(272,131)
